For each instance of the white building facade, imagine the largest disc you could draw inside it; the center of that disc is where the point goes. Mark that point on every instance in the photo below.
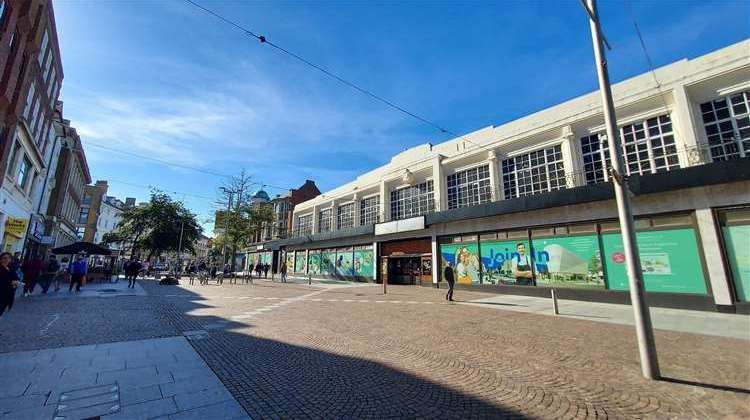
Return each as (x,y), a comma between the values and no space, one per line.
(536,193)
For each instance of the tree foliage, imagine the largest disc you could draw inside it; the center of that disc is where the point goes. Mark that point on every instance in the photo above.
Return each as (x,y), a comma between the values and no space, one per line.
(154,227)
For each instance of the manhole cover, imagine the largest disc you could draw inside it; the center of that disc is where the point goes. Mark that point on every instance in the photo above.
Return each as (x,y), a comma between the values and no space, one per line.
(88,403)
(108,291)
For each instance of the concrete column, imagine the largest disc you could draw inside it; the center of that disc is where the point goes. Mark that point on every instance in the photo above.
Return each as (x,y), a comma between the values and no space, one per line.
(439,185)
(435,260)
(334,216)
(315,219)
(495,179)
(715,264)
(573,168)
(357,219)
(685,129)
(375,262)
(384,201)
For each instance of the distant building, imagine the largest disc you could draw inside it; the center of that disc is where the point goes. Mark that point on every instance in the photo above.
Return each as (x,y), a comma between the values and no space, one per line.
(110,215)
(69,176)
(93,196)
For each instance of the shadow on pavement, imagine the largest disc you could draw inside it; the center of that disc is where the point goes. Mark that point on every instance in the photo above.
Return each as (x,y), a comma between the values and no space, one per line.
(274,379)
(704,385)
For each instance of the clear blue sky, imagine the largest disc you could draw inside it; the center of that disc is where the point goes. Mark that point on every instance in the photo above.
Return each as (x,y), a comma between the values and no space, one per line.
(164,79)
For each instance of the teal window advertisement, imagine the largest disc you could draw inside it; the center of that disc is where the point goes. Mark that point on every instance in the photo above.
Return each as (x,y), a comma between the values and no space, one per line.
(363,264)
(670,261)
(290,261)
(300,263)
(344,260)
(464,260)
(506,262)
(737,241)
(327,260)
(568,261)
(313,263)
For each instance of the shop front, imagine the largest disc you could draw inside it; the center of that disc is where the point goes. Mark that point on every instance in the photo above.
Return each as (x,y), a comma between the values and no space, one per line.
(406,262)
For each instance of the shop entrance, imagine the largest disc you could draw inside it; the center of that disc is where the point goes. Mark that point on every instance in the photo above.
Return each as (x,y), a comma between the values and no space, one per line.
(406,262)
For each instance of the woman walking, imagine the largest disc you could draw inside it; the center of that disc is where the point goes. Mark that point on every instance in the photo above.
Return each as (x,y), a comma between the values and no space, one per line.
(8,282)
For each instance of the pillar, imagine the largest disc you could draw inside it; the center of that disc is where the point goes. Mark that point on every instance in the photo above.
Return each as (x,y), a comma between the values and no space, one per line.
(710,242)
(435,261)
(574,176)
(684,128)
(495,179)
(384,201)
(315,219)
(440,193)
(357,219)
(375,262)
(334,216)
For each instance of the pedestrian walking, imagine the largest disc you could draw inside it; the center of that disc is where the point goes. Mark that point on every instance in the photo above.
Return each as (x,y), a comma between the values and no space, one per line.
(63,274)
(131,272)
(258,269)
(448,276)
(32,268)
(9,281)
(266,267)
(283,272)
(50,273)
(78,271)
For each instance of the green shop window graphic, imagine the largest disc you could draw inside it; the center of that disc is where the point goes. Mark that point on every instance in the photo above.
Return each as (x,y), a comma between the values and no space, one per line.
(737,240)
(670,261)
(568,261)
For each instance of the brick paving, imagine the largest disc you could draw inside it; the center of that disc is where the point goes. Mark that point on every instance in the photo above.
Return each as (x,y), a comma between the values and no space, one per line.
(298,351)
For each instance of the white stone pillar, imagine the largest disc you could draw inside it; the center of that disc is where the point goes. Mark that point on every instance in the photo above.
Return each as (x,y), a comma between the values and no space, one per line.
(334,216)
(710,242)
(573,169)
(685,129)
(440,193)
(355,200)
(375,262)
(495,179)
(435,260)
(315,219)
(384,201)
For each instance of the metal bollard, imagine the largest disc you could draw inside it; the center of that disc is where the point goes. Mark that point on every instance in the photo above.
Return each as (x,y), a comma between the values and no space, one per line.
(309,280)
(554,303)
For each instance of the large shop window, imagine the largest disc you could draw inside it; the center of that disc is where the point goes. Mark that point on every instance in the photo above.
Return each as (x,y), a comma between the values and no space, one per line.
(469,187)
(352,262)
(313,262)
(583,256)
(648,146)
(325,221)
(412,201)
(304,225)
(300,262)
(345,216)
(735,227)
(369,210)
(534,173)
(727,124)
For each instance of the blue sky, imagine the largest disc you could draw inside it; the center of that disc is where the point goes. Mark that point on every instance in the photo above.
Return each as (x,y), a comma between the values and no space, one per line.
(164,79)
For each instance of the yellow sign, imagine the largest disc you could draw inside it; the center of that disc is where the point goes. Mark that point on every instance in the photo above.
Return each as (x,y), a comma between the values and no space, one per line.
(16,227)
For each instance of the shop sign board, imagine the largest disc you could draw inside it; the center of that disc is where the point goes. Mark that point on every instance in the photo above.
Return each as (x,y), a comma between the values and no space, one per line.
(16,226)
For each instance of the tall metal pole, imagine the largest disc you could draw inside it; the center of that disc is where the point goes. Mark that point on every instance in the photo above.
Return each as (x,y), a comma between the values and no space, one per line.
(226,227)
(644,330)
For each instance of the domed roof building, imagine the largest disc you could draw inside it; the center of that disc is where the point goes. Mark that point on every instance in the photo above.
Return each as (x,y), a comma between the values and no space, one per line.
(260,197)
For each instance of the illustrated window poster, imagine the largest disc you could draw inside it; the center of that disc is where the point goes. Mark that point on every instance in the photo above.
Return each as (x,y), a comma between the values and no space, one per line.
(507,262)
(300,262)
(290,261)
(313,263)
(568,261)
(344,263)
(327,261)
(670,261)
(737,239)
(463,259)
(363,263)
(266,258)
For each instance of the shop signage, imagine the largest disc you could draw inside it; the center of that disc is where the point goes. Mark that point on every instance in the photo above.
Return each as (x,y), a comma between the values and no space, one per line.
(396,226)
(15,226)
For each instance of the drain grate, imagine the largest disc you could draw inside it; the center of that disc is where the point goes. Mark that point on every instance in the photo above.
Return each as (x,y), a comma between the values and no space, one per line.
(108,291)
(88,403)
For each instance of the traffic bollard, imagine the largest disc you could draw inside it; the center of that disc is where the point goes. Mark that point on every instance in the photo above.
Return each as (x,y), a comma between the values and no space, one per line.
(554,303)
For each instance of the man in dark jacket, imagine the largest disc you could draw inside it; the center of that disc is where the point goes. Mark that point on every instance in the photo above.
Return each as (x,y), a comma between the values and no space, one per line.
(448,276)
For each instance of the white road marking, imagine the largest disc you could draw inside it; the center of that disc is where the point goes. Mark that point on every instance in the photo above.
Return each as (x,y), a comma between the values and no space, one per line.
(54,319)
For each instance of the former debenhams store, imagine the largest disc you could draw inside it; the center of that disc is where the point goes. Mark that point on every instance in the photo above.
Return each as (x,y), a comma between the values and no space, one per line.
(528,205)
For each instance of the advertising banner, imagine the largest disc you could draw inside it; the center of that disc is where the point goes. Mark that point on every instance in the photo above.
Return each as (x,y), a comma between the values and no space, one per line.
(737,240)
(363,263)
(506,262)
(327,261)
(313,262)
(16,226)
(568,261)
(670,261)
(344,263)
(463,259)
(290,261)
(300,262)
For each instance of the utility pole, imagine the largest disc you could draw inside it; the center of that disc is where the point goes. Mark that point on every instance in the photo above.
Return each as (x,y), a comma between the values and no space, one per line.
(643,327)
(226,224)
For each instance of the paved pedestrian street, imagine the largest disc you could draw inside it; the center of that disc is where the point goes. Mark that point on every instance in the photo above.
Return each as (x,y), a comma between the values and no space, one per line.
(347,351)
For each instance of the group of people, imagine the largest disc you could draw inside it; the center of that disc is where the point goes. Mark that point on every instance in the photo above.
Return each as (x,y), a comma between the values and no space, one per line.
(262,269)
(35,271)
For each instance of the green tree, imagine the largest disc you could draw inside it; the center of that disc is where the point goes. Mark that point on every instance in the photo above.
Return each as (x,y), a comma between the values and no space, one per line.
(155,226)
